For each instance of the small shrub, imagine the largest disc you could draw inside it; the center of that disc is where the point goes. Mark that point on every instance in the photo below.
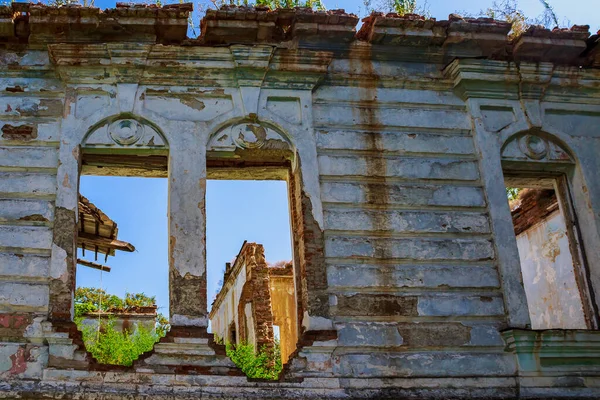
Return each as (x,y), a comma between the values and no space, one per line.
(107,344)
(265,364)
(111,346)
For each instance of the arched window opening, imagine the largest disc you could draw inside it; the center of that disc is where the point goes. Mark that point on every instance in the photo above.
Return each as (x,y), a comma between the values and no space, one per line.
(122,240)
(251,204)
(552,258)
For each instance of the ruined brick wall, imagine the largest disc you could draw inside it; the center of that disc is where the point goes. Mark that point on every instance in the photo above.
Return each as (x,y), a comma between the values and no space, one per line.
(283,306)
(396,138)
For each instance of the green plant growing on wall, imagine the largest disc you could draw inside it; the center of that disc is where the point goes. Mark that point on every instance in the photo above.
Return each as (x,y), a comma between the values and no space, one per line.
(106,343)
(89,299)
(272,4)
(405,6)
(264,364)
(512,193)
(509,11)
(111,346)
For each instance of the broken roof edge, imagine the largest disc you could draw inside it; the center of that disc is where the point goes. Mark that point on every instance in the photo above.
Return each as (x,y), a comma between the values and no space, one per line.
(463,37)
(98,242)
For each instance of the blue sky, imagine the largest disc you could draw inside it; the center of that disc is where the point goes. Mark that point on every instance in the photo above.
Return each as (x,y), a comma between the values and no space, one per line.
(236,210)
(570,12)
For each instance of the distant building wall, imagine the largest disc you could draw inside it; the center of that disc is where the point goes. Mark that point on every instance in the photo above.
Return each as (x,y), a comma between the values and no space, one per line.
(254,297)
(283,304)
(552,293)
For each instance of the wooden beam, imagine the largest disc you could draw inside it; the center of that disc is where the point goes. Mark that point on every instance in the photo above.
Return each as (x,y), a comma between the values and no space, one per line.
(103,242)
(90,264)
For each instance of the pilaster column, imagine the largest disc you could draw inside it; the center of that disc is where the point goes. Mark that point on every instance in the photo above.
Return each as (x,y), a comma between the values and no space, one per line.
(507,253)
(64,243)
(187,226)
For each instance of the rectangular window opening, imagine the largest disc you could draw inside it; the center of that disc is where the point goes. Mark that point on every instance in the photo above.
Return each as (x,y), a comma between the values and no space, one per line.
(250,273)
(552,262)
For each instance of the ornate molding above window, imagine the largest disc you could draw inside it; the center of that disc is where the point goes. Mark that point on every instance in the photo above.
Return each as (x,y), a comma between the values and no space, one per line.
(125,131)
(250,135)
(535,148)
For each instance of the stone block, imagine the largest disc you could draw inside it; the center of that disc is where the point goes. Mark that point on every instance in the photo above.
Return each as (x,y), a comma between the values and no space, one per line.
(409,248)
(28,185)
(28,238)
(376,305)
(371,276)
(402,194)
(456,304)
(400,142)
(24,266)
(23,297)
(399,167)
(28,157)
(396,221)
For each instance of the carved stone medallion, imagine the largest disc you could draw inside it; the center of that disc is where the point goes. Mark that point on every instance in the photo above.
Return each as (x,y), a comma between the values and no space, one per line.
(126,132)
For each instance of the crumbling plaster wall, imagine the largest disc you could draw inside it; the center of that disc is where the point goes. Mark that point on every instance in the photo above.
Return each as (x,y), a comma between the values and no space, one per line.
(401,165)
(548,276)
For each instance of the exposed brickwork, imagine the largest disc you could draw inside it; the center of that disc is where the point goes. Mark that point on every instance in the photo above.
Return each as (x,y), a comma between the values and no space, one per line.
(13,325)
(185,298)
(62,288)
(19,132)
(531,207)
(380,304)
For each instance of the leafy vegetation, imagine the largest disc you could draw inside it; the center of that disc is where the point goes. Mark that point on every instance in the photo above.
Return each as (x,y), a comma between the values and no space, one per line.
(272,4)
(89,299)
(509,11)
(400,7)
(108,344)
(264,364)
(512,193)
(111,346)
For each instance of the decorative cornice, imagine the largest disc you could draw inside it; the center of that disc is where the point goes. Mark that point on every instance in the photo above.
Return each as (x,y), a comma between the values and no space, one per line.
(554,350)
(525,81)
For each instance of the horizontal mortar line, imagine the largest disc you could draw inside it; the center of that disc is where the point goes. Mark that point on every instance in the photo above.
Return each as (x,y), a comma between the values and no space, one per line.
(333,207)
(33,170)
(416,291)
(24,222)
(346,79)
(450,133)
(436,319)
(393,155)
(400,207)
(37,94)
(30,119)
(364,179)
(440,291)
(25,279)
(390,105)
(8,144)
(27,251)
(10,308)
(393,129)
(26,196)
(341,261)
(390,260)
(405,235)
(407,348)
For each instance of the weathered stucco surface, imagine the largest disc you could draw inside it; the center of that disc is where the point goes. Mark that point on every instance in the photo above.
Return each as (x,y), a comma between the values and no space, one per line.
(547,265)
(396,141)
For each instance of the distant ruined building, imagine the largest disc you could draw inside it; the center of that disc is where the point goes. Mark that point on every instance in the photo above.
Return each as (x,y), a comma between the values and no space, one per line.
(397,143)
(255,299)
